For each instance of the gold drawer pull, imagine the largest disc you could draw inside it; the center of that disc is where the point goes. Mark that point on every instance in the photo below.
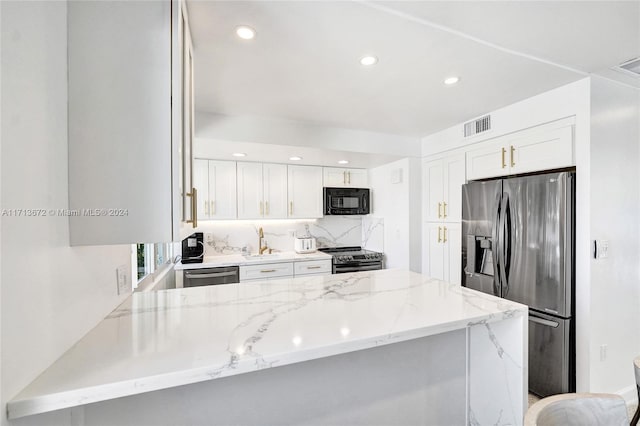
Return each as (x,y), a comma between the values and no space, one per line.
(264,271)
(314,267)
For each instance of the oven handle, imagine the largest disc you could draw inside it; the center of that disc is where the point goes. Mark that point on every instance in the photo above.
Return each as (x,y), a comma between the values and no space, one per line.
(191,275)
(339,269)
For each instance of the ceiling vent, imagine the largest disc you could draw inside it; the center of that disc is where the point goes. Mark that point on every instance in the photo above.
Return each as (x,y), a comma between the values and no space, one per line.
(631,67)
(480,125)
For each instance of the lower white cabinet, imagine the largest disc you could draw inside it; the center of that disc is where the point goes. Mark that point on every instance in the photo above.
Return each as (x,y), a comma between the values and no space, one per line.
(267,270)
(442,250)
(313,267)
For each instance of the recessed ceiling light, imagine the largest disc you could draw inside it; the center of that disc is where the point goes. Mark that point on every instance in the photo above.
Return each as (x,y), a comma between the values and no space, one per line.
(343,162)
(239,154)
(295,158)
(451,80)
(368,60)
(245,33)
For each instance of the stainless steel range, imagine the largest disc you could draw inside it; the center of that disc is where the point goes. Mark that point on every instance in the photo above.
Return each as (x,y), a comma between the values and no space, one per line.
(353,259)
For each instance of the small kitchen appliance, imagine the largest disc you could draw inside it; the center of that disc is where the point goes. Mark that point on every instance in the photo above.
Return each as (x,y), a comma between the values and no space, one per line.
(305,244)
(193,248)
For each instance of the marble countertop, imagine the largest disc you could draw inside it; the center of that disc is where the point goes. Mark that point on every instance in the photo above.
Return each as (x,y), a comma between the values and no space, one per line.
(159,340)
(240,260)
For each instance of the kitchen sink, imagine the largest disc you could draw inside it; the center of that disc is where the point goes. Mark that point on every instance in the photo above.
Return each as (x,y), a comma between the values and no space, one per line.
(262,256)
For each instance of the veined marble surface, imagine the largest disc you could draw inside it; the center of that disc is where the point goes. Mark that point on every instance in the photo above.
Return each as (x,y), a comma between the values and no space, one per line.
(170,338)
(238,260)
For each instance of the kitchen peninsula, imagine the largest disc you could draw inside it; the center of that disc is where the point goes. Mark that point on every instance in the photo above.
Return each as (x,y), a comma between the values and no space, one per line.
(380,347)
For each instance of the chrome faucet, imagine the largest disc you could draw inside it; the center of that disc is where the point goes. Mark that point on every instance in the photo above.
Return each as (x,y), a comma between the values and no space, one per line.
(261,249)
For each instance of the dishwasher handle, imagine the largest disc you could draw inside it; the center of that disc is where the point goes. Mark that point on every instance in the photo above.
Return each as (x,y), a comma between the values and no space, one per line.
(192,275)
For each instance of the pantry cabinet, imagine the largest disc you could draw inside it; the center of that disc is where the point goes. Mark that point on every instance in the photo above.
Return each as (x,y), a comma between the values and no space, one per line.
(130,120)
(442,247)
(262,191)
(304,192)
(216,181)
(336,177)
(442,182)
(544,147)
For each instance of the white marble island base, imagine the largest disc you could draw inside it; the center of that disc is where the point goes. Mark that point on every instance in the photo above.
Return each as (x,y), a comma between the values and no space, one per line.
(384,347)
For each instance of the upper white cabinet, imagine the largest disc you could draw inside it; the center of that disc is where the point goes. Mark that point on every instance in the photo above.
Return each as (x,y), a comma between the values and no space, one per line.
(442,182)
(541,148)
(305,192)
(335,177)
(125,120)
(262,191)
(216,181)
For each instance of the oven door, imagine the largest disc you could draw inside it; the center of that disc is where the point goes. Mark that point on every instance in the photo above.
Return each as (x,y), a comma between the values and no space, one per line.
(344,268)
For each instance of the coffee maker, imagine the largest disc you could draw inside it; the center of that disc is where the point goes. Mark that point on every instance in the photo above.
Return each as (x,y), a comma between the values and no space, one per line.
(193,248)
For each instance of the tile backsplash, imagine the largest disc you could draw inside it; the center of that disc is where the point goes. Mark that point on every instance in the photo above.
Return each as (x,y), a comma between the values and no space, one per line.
(230,237)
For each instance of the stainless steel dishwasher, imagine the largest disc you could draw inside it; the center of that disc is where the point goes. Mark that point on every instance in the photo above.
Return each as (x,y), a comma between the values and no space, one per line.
(211,276)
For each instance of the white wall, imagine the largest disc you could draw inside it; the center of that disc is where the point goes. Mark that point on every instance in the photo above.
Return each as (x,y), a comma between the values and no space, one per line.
(51,294)
(398,204)
(287,132)
(615,203)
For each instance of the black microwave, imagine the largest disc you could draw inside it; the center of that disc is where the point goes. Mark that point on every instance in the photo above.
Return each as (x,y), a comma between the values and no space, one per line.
(345,201)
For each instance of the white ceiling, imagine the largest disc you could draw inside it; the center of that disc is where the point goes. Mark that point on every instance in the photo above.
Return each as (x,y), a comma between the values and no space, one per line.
(304,63)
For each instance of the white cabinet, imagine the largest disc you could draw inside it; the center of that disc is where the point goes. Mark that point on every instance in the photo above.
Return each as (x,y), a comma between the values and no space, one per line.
(125,121)
(265,271)
(304,192)
(442,185)
(541,148)
(313,267)
(216,182)
(262,191)
(442,249)
(336,177)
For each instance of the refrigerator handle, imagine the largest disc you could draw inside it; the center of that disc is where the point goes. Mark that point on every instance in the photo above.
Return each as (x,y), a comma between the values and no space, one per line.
(496,248)
(502,246)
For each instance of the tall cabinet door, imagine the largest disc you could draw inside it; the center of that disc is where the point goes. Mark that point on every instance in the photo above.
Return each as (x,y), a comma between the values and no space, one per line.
(305,191)
(250,192)
(201,182)
(274,178)
(454,178)
(222,190)
(452,239)
(434,184)
(433,265)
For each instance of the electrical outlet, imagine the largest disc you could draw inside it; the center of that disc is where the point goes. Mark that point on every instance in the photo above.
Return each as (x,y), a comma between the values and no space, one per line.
(600,249)
(603,352)
(122,274)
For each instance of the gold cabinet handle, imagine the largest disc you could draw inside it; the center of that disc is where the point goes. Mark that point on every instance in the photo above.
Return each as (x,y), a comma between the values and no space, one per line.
(213,208)
(349,175)
(439,214)
(313,267)
(194,207)
(261,209)
(206,207)
(513,163)
(444,210)
(439,237)
(264,271)
(504,152)
(290,207)
(266,208)
(344,177)
(444,240)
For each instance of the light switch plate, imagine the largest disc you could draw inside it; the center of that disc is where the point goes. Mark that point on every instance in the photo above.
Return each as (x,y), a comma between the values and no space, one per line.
(123,280)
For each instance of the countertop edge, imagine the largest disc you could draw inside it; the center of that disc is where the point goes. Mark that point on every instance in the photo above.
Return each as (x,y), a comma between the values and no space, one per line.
(77,397)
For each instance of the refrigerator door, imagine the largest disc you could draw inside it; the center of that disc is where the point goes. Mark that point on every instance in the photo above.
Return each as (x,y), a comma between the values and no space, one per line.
(538,242)
(480,218)
(551,369)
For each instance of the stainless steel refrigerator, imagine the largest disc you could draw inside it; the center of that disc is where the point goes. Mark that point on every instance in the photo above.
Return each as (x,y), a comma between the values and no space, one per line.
(518,243)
